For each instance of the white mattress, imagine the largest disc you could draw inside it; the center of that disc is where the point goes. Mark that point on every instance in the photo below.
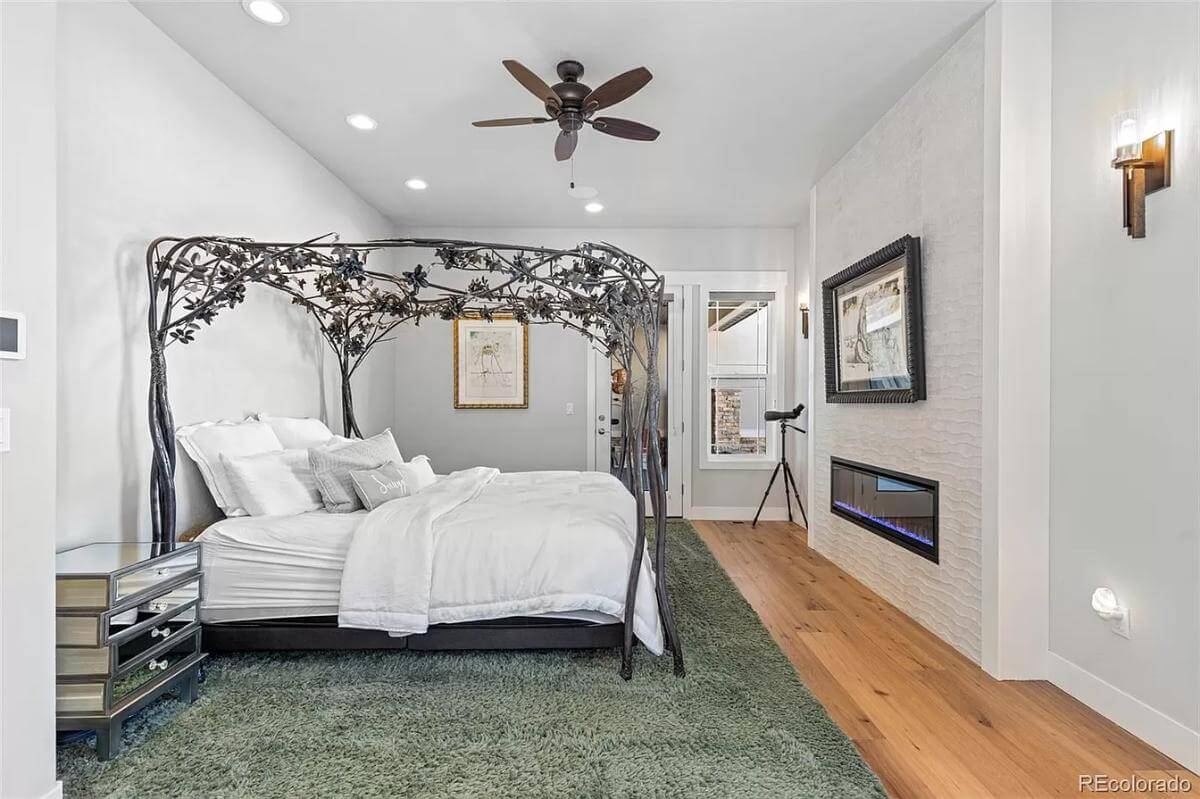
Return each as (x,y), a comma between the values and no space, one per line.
(271,567)
(275,567)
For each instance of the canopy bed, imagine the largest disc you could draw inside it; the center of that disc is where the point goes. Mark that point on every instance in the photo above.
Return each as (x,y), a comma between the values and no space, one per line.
(581,538)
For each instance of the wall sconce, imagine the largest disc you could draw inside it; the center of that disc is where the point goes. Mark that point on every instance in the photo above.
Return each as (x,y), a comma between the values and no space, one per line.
(1145,166)
(804,319)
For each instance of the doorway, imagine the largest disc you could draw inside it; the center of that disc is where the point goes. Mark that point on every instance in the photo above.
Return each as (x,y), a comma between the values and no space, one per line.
(671,426)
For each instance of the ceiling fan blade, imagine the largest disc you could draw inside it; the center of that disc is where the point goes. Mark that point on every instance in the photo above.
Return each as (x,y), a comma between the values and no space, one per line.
(502,123)
(532,82)
(564,144)
(624,129)
(614,91)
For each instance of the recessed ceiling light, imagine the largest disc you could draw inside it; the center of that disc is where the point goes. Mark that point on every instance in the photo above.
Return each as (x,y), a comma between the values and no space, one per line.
(361,122)
(268,12)
(416,184)
(594,207)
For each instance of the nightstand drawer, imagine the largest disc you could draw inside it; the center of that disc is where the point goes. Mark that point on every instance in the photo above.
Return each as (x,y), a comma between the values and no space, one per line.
(181,595)
(100,577)
(147,667)
(155,638)
(80,630)
(153,578)
(99,696)
(139,634)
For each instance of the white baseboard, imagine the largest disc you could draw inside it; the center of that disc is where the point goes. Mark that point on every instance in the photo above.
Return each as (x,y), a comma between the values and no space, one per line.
(1154,727)
(730,513)
(55,792)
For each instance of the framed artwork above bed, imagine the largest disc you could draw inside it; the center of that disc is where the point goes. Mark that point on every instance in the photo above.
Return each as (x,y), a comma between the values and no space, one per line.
(491,363)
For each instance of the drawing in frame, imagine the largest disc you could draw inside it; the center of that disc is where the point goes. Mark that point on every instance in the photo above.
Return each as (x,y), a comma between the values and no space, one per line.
(491,363)
(873,328)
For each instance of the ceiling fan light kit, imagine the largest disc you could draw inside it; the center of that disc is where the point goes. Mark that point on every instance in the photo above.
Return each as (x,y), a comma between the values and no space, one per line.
(572,105)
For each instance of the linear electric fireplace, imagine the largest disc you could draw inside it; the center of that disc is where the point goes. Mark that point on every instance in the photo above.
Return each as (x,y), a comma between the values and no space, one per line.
(900,507)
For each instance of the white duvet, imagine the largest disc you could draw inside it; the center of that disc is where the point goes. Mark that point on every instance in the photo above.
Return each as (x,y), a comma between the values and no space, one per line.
(479,544)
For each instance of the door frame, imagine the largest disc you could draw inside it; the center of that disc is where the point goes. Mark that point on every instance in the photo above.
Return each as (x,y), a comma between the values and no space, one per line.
(679,398)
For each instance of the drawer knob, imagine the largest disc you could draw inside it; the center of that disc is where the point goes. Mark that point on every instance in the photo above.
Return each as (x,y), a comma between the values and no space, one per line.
(156,665)
(163,631)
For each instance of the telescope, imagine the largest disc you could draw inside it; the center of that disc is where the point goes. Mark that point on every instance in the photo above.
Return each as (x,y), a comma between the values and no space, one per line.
(789,482)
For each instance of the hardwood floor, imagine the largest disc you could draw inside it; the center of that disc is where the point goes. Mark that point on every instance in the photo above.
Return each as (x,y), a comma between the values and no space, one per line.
(929,721)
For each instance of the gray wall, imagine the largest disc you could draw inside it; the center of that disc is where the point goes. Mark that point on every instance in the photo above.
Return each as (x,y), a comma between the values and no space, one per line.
(544,436)
(539,437)
(150,144)
(918,171)
(1125,355)
(28,390)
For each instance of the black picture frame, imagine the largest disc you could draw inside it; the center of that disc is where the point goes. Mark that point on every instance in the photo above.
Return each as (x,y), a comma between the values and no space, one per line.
(909,249)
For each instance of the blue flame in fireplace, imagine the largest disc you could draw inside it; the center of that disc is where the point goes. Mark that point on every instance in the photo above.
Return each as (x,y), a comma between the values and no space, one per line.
(846,506)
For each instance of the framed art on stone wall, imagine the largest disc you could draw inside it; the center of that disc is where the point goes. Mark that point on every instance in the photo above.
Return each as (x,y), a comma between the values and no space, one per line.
(874,335)
(491,363)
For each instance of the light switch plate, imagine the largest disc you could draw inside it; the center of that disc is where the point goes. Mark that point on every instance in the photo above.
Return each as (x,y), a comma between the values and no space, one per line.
(4,430)
(570,409)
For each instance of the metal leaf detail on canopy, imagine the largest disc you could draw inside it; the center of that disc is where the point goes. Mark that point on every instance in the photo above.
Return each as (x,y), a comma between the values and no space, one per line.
(600,291)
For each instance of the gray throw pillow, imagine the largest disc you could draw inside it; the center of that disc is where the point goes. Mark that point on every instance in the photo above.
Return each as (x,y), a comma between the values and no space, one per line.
(377,486)
(332,464)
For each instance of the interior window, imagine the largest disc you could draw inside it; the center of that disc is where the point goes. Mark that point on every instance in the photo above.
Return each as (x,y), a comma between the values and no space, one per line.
(741,375)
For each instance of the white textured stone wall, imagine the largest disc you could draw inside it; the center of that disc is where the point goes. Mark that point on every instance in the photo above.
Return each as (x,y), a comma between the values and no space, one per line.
(918,171)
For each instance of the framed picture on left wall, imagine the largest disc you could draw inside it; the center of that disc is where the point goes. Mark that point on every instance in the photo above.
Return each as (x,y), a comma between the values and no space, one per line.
(491,363)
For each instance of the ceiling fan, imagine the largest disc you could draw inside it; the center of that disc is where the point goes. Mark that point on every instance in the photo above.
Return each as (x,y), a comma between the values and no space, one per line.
(571,104)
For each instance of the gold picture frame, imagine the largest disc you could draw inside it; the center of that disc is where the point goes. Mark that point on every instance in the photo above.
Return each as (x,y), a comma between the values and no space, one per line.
(491,346)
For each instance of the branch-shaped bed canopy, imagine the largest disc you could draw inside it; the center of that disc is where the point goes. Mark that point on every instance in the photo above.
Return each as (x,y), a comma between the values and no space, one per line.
(598,290)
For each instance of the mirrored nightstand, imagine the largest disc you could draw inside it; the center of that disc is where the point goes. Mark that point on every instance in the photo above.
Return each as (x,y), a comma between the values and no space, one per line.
(127,632)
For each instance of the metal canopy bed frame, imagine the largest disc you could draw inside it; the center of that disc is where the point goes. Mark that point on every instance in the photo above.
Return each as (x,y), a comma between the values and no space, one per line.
(600,291)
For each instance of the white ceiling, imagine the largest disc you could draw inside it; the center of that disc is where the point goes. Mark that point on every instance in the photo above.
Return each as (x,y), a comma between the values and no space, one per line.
(754,100)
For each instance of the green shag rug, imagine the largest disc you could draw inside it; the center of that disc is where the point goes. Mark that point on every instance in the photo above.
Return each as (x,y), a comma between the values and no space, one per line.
(488,724)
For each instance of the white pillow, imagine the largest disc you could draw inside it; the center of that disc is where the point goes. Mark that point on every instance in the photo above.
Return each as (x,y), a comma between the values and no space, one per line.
(276,483)
(206,442)
(417,473)
(297,433)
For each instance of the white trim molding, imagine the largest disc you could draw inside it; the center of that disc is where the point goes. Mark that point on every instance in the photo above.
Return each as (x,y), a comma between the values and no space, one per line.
(55,792)
(1015,528)
(1154,727)
(732,513)
(775,281)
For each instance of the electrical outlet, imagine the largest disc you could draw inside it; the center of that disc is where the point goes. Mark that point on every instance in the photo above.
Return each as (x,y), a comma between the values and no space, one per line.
(570,409)
(1120,626)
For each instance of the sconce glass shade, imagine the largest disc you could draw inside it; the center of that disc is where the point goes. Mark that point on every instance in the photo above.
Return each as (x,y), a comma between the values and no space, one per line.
(1126,137)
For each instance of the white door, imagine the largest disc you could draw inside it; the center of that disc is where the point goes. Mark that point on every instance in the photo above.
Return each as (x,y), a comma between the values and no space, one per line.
(606,424)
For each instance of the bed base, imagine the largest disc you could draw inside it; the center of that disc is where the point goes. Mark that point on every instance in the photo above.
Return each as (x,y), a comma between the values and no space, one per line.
(322,632)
